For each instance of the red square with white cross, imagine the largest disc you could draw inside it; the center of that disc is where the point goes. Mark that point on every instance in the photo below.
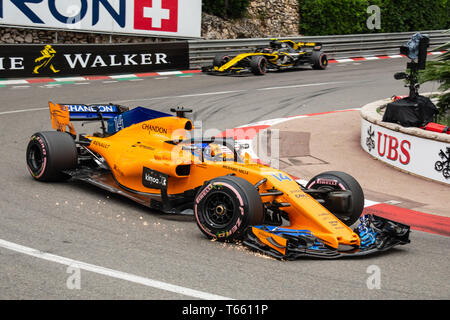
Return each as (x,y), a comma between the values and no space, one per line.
(158,15)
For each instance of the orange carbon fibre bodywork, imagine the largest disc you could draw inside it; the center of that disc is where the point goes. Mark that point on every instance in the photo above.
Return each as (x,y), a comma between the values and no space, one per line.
(60,118)
(155,144)
(272,240)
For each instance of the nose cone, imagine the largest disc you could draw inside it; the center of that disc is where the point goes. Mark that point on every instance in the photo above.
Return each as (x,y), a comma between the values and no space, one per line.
(336,241)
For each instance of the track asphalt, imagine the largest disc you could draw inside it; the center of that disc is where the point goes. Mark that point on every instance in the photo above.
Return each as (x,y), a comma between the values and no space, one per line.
(127,252)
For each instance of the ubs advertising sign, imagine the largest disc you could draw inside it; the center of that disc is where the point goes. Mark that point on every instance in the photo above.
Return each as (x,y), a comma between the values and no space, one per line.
(27,61)
(423,157)
(165,18)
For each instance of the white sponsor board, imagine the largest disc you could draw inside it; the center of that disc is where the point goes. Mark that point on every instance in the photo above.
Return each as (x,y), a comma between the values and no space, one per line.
(165,18)
(423,157)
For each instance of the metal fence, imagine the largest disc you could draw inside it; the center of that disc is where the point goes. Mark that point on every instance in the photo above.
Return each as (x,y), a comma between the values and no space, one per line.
(202,52)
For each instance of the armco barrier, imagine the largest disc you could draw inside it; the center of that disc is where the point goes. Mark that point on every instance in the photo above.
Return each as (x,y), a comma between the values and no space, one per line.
(202,52)
(413,150)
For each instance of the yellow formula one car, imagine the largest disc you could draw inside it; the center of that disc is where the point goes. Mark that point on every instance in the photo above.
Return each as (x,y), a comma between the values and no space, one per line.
(152,158)
(281,54)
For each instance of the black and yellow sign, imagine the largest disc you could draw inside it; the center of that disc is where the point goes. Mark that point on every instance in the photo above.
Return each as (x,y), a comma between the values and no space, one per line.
(45,61)
(28,61)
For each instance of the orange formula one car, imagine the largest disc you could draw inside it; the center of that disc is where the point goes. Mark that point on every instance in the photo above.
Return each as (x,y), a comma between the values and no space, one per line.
(151,157)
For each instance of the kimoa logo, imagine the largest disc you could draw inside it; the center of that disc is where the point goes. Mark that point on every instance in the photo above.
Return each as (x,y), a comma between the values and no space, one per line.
(88,60)
(161,181)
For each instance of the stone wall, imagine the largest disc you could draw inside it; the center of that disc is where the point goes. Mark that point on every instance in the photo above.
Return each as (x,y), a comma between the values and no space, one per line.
(29,36)
(264,18)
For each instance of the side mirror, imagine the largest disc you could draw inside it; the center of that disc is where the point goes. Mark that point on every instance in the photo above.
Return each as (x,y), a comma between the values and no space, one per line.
(180,111)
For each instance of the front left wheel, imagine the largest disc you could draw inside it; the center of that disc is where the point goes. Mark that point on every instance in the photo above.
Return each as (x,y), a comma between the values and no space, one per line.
(226,206)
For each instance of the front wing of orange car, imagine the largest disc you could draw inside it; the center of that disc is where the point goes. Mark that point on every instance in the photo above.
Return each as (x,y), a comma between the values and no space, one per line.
(376,234)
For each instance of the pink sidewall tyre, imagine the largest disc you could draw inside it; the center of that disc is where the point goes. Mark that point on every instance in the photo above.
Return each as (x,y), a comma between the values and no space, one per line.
(225,207)
(49,154)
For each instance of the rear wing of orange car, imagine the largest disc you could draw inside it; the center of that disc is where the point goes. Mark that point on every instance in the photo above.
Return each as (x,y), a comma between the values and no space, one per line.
(60,116)
(63,114)
(113,117)
(82,112)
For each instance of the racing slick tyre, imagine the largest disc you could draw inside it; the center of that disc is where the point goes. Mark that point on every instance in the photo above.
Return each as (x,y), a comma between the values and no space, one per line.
(49,153)
(335,181)
(319,60)
(220,60)
(226,206)
(258,65)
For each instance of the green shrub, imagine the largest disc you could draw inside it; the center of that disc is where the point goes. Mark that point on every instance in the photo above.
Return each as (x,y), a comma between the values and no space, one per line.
(402,15)
(439,71)
(325,17)
(226,8)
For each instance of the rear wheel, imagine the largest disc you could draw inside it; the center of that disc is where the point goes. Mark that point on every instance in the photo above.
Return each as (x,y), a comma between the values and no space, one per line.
(337,181)
(258,65)
(226,206)
(49,154)
(319,60)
